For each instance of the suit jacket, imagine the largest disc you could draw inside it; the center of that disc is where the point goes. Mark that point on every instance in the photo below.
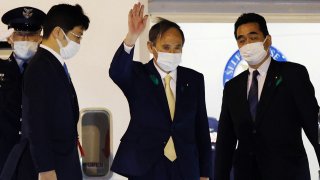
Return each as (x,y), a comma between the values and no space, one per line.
(10,106)
(19,165)
(273,143)
(50,114)
(151,126)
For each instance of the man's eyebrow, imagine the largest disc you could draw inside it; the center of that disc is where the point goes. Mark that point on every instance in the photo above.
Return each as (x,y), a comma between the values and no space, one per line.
(253,32)
(240,36)
(250,33)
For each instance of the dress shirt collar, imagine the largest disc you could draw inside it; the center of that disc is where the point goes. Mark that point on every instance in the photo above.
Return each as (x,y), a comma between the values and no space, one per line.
(20,62)
(163,74)
(61,60)
(263,69)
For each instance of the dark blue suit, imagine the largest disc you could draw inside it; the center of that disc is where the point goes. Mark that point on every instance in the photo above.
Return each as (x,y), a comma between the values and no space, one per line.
(50,115)
(150,126)
(271,148)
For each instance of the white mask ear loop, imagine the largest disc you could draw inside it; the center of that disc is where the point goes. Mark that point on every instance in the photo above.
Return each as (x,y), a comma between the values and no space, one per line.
(265,39)
(156,51)
(68,40)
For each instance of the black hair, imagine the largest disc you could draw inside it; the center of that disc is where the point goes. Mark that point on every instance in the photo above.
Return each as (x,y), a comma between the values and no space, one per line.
(161,27)
(65,16)
(251,18)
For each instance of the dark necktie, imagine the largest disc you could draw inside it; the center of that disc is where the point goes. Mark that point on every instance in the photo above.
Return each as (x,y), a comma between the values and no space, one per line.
(253,95)
(24,66)
(66,70)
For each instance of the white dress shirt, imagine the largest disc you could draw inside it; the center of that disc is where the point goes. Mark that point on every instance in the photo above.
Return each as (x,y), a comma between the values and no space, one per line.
(263,69)
(61,60)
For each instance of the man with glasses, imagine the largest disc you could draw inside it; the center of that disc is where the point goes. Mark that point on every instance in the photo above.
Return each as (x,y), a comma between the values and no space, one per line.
(26,23)
(50,107)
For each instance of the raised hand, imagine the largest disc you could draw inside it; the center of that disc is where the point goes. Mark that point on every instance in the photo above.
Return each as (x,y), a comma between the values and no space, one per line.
(136,24)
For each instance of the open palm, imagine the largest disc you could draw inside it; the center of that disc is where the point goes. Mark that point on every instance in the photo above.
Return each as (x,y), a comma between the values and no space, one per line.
(136,23)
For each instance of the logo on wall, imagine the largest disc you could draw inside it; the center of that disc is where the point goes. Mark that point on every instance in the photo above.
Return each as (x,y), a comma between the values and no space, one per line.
(236,65)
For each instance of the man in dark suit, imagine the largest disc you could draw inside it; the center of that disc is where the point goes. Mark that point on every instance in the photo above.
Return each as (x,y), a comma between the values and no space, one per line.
(168,135)
(26,23)
(50,107)
(263,112)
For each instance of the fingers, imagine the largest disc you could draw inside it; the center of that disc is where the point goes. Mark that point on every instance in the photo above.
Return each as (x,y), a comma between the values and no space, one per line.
(145,18)
(141,11)
(137,10)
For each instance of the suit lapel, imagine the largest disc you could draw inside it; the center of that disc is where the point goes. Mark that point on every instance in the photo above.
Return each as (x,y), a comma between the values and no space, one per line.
(155,81)
(268,90)
(66,81)
(180,90)
(14,63)
(75,102)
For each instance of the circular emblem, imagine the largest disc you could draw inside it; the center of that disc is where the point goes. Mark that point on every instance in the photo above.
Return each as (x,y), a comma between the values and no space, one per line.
(236,65)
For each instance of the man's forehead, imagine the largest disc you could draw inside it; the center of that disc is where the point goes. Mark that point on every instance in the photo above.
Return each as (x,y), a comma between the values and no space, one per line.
(170,44)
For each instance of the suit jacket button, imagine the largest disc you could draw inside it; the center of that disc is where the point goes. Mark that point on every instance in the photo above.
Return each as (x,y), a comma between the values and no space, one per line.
(20,133)
(254,131)
(20,119)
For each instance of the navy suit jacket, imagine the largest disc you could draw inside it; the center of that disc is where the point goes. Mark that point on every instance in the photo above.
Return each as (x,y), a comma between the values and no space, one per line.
(150,126)
(10,106)
(50,114)
(273,143)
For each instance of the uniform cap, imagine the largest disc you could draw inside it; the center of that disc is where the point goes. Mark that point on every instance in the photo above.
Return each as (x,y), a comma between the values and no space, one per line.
(24,19)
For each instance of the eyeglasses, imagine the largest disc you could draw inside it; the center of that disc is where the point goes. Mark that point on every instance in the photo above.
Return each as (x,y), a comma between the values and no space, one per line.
(79,37)
(76,35)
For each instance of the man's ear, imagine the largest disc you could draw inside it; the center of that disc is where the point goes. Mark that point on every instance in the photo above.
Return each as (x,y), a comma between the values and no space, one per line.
(56,32)
(149,45)
(40,40)
(268,42)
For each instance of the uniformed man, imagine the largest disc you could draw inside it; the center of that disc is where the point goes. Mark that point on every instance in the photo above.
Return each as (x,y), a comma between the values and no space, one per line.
(26,23)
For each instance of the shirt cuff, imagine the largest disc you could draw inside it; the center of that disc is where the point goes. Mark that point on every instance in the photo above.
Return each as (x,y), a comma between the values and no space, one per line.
(127,48)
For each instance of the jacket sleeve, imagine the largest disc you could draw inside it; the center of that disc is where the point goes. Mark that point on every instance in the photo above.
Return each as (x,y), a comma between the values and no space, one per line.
(203,134)
(307,105)
(36,112)
(226,141)
(121,68)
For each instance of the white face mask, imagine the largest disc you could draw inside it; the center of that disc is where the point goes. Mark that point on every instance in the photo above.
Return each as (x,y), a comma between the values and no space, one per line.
(168,61)
(253,53)
(70,49)
(24,50)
